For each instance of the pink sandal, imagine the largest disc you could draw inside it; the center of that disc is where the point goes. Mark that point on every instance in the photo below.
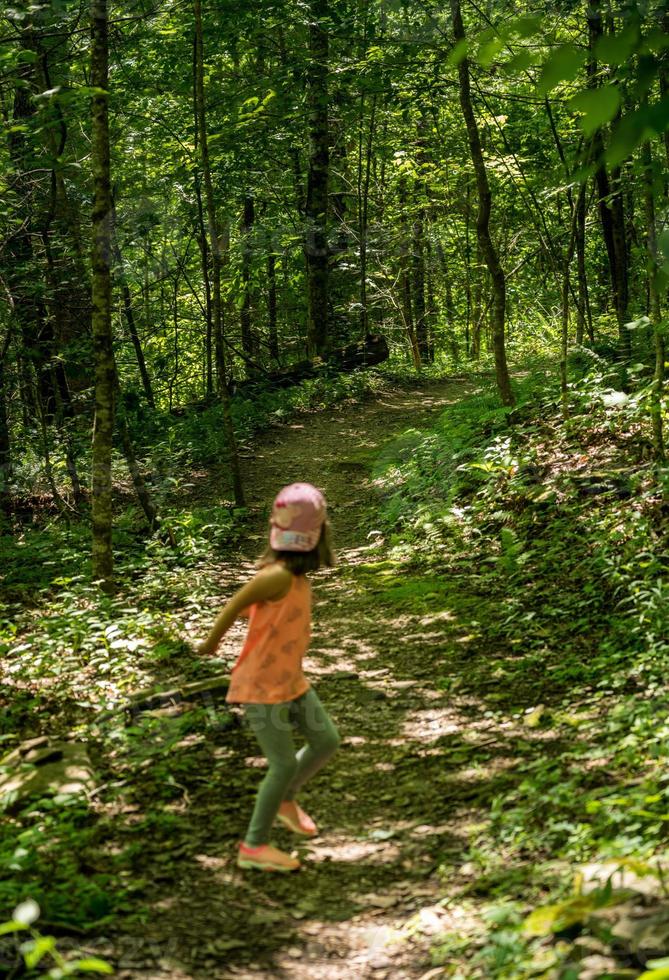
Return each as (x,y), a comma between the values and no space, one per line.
(265,858)
(292,816)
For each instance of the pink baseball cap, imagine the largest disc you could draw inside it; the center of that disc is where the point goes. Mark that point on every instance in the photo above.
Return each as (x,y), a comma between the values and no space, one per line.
(297,518)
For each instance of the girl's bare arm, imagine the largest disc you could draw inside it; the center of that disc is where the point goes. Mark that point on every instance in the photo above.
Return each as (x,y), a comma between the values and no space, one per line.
(270,583)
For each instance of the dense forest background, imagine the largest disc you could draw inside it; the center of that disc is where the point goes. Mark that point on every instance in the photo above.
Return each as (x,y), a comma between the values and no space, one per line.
(287,180)
(417,253)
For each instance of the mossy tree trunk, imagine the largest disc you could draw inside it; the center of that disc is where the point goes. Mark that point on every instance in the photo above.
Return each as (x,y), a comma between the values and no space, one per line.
(654,304)
(316,209)
(486,246)
(215,249)
(103,427)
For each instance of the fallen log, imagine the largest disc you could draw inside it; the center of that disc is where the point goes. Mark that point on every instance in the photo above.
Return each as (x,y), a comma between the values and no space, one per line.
(361,354)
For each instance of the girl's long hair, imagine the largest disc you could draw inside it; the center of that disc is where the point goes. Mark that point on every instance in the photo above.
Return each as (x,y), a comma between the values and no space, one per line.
(301,562)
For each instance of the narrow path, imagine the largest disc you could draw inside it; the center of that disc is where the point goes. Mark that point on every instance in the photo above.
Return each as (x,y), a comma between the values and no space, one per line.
(392,814)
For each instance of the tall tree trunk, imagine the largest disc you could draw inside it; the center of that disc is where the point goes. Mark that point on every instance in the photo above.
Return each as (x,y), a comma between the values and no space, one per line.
(405,277)
(71,294)
(5,443)
(610,201)
(468,268)
(103,427)
(655,303)
(130,314)
(249,341)
(65,422)
(138,481)
(478,311)
(418,284)
(365,147)
(271,305)
(431,310)
(316,205)
(215,246)
(208,306)
(202,240)
(664,92)
(450,304)
(487,247)
(584,312)
(48,465)
(21,268)
(418,243)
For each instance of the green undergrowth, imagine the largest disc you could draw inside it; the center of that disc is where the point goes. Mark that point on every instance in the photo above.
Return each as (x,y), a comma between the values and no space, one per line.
(70,657)
(542,545)
(171,446)
(198,438)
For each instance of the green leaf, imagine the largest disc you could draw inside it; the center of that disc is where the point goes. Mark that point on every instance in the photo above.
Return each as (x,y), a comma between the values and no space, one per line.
(658,116)
(598,106)
(554,918)
(11,926)
(563,65)
(526,26)
(663,244)
(457,53)
(615,49)
(489,50)
(541,921)
(656,41)
(627,134)
(34,951)
(660,974)
(93,965)
(519,63)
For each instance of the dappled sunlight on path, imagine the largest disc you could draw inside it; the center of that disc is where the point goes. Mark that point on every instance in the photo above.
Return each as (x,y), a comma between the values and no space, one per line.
(418,767)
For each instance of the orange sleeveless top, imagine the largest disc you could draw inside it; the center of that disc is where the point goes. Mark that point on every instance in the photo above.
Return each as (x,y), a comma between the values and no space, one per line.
(269,668)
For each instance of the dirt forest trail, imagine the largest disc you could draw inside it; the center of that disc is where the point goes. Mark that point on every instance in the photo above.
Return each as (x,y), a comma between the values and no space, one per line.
(392,808)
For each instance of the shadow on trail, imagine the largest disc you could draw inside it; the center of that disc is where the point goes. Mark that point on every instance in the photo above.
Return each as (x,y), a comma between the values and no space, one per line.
(427,752)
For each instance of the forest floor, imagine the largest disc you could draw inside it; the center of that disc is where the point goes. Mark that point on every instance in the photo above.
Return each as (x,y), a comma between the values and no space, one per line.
(376,885)
(491,645)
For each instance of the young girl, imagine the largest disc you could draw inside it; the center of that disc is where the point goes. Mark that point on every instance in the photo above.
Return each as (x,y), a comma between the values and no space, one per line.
(267,678)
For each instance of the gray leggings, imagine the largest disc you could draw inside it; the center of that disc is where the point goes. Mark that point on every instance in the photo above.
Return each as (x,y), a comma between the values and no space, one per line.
(272,725)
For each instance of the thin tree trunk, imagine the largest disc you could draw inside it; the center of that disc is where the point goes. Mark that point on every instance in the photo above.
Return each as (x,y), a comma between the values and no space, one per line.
(477,305)
(202,239)
(28,306)
(130,315)
(249,341)
(103,428)
(316,207)
(48,465)
(450,304)
(215,246)
(271,305)
(5,442)
(655,304)
(418,286)
(363,206)
(584,312)
(138,482)
(664,92)
(204,259)
(483,221)
(65,420)
(418,248)
(609,199)
(468,268)
(430,312)
(405,278)
(62,400)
